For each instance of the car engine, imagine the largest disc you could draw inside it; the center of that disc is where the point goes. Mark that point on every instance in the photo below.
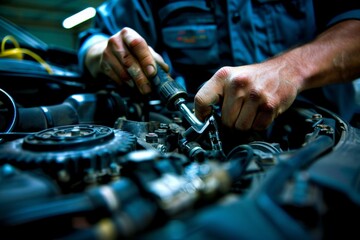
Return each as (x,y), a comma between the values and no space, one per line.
(82,160)
(160,178)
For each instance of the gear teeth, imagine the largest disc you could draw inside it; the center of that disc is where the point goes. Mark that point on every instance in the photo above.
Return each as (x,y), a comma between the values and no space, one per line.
(76,157)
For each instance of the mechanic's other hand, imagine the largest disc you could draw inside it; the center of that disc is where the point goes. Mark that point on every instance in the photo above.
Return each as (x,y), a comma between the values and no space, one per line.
(126,58)
(252,96)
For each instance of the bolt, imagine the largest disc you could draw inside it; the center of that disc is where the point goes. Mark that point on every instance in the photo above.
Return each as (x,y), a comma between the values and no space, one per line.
(75,131)
(151,138)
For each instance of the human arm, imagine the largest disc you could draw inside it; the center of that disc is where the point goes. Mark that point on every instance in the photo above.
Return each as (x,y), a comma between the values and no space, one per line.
(253,96)
(125,58)
(117,45)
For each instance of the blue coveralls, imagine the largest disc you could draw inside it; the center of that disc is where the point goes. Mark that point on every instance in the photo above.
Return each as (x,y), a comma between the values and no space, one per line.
(201,36)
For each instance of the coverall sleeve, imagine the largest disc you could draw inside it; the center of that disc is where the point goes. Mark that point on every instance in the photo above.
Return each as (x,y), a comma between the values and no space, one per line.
(111,17)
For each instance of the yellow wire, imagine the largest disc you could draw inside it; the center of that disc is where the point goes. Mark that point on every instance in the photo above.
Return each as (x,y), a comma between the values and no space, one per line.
(17,53)
(10,38)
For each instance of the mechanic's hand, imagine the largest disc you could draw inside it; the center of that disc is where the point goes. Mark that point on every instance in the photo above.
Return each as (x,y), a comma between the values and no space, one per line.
(125,58)
(252,96)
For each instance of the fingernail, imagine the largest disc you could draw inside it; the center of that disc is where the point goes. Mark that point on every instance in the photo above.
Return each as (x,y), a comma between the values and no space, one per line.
(145,88)
(134,71)
(150,70)
(130,83)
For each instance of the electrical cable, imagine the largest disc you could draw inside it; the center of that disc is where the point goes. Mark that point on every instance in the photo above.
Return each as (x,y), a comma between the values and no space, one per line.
(17,53)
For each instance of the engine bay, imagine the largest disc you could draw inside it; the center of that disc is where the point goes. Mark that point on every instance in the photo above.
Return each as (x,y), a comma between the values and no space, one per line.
(84,160)
(158,177)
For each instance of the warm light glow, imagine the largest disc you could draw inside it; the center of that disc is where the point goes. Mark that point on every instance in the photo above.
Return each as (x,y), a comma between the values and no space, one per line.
(79,17)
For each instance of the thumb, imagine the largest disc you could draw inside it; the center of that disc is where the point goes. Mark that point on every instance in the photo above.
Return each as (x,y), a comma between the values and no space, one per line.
(209,94)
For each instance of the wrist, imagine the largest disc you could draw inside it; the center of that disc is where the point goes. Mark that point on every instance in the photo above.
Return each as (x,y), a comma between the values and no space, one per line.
(289,68)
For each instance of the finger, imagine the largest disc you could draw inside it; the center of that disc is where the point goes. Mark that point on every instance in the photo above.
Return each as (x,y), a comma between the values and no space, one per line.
(129,64)
(266,115)
(140,49)
(111,67)
(209,94)
(263,120)
(248,112)
(139,78)
(108,71)
(231,107)
(246,116)
(230,112)
(159,59)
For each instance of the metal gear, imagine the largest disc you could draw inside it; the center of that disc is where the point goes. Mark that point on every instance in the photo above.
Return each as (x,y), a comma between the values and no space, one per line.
(73,150)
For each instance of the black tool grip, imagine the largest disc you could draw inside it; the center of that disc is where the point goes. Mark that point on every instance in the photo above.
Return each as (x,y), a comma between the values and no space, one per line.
(167,88)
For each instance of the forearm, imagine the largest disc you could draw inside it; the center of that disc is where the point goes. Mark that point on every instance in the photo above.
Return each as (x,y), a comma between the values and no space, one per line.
(333,57)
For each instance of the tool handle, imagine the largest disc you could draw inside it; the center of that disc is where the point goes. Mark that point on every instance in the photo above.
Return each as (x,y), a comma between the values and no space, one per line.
(167,88)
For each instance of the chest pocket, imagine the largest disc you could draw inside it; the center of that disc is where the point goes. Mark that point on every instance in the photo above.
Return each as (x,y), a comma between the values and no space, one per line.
(189,32)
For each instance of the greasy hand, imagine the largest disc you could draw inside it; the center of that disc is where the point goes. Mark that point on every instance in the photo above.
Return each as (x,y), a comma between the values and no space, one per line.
(252,96)
(127,58)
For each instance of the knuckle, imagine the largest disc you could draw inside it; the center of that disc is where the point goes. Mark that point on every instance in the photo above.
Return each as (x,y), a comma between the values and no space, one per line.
(132,39)
(124,30)
(255,95)
(240,82)
(113,41)
(126,58)
(222,73)
(268,108)
(137,43)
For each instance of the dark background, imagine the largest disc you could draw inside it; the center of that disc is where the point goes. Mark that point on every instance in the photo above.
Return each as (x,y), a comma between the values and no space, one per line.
(43,18)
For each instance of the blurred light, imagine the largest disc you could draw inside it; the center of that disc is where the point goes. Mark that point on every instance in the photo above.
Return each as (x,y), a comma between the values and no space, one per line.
(79,17)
